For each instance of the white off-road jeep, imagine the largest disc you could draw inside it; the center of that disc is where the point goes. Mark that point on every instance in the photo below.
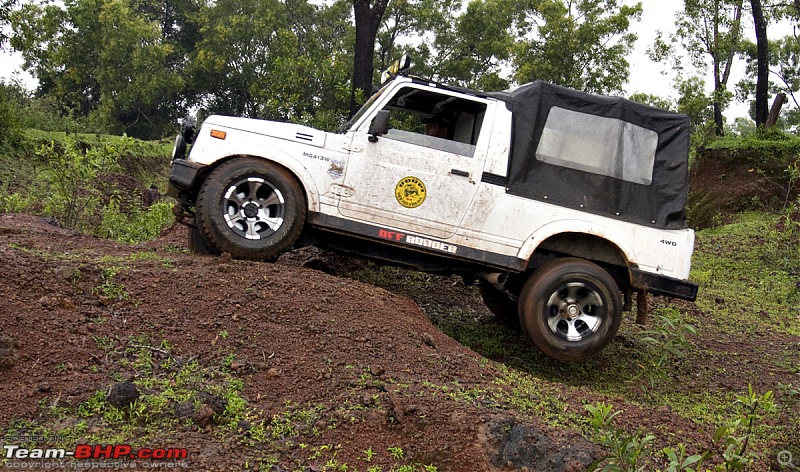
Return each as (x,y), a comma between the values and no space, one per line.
(562,204)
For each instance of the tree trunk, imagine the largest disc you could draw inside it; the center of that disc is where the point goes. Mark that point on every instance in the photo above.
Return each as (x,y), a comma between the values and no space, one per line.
(368,20)
(736,30)
(775,112)
(718,120)
(762,82)
(721,77)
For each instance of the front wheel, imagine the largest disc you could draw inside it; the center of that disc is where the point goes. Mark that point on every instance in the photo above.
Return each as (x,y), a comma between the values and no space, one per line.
(197,244)
(251,209)
(571,309)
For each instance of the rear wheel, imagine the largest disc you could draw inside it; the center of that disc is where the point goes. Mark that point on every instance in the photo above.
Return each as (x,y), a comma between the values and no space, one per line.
(571,309)
(250,209)
(500,304)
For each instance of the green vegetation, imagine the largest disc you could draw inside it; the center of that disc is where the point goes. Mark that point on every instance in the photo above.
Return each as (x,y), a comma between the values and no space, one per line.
(10,126)
(770,147)
(730,442)
(665,344)
(748,273)
(110,288)
(89,183)
(173,389)
(625,450)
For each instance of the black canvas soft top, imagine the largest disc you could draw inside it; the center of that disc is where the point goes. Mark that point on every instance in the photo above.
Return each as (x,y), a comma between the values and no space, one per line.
(562,138)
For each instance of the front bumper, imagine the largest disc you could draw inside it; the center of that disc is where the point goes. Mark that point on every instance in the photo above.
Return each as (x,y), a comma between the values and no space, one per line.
(182,177)
(661,285)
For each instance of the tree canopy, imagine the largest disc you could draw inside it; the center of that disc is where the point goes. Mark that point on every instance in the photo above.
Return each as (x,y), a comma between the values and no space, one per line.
(581,44)
(136,66)
(6,7)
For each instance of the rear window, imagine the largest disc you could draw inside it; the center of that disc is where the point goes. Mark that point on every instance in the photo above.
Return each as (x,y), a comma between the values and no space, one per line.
(599,145)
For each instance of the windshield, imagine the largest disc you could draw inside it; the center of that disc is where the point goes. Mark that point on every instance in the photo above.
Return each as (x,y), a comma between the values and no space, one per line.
(363,109)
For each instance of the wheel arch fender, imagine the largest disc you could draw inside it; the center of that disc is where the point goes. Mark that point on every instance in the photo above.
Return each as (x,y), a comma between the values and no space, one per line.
(582,239)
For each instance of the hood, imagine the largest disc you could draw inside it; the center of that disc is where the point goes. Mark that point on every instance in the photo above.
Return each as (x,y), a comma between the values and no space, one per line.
(275,129)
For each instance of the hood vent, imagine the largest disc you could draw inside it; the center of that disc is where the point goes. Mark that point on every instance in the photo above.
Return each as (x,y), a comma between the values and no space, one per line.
(304,137)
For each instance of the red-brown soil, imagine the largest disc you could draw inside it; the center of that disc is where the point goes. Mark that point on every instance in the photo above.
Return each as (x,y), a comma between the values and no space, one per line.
(370,359)
(721,185)
(301,336)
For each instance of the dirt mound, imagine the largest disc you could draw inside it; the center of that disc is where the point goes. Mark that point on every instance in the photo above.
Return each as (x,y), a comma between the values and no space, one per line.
(373,371)
(259,366)
(721,185)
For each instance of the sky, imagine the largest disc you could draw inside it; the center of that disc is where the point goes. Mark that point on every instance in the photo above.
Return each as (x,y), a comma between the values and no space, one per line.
(645,75)
(648,77)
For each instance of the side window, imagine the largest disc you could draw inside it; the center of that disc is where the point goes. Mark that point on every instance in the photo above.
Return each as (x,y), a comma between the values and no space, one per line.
(604,146)
(434,120)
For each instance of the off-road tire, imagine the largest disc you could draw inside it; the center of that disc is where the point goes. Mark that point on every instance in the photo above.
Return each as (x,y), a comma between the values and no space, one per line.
(196,243)
(571,309)
(251,209)
(502,306)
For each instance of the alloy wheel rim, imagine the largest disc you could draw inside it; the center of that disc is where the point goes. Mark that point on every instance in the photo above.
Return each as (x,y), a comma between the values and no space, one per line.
(254,208)
(575,311)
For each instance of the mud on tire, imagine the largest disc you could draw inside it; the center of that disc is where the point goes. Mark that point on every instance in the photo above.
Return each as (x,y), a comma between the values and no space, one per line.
(250,209)
(196,243)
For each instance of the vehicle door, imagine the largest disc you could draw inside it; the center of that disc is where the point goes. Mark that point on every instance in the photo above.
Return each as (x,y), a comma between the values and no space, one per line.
(412,181)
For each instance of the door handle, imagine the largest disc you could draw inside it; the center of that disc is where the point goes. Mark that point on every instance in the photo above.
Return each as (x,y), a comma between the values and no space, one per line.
(458,172)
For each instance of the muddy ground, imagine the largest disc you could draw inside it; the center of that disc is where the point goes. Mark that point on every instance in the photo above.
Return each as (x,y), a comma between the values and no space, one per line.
(375,372)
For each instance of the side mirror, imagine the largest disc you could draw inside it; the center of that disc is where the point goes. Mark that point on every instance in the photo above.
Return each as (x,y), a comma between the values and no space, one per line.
(379,126)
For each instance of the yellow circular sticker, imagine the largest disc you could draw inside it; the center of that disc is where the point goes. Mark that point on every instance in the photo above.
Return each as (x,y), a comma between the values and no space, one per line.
(410,192)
